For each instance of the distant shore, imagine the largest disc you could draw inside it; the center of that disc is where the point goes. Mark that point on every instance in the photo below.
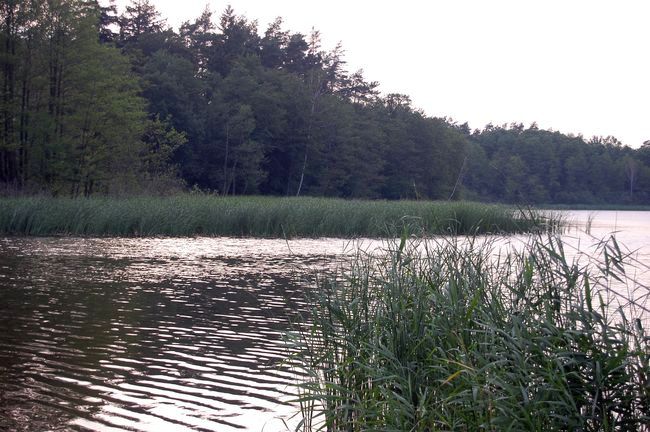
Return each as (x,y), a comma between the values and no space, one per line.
(255,216)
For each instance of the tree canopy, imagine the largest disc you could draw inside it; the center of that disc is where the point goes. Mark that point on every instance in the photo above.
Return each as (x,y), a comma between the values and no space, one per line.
(99,103)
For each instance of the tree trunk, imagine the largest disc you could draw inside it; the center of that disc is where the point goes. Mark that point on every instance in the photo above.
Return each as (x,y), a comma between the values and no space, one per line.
(9,169)
(317,94)
(224,191)
(302,172)
(24,120)
(231,182)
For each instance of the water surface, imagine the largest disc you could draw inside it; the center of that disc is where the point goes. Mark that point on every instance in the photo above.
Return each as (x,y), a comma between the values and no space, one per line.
(176,334)
(149,334)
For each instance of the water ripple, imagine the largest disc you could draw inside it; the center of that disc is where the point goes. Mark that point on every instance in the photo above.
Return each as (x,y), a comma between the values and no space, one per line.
(158,334)
(148,334)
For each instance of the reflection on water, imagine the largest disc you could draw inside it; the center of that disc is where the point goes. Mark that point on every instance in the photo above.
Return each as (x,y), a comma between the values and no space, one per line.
(170,334)
(631,230)
(148,334)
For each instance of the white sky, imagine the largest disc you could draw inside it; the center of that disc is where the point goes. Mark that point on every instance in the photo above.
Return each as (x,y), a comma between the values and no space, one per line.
(577,66)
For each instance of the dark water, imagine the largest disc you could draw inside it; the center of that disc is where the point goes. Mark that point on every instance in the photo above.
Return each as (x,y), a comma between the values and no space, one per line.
(174,334)
(148,334)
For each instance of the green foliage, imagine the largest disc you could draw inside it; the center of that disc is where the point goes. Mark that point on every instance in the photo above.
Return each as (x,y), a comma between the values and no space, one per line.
(449,335)
(278,115)
(230,110)
(75,119)
(102,116)
(199,214)
(515,164)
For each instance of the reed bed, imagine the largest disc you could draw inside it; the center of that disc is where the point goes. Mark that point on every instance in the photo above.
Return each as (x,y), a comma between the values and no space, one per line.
(448,335)
(190,215)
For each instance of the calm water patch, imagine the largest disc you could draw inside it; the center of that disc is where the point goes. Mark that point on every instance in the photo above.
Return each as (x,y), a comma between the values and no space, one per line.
(175,334)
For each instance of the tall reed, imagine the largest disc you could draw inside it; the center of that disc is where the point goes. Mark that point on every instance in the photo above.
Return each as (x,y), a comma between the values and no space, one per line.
(188,215)
(449,335)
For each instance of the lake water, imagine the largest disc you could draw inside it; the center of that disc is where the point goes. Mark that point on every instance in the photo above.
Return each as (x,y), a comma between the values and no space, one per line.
(174,334)
(631,230)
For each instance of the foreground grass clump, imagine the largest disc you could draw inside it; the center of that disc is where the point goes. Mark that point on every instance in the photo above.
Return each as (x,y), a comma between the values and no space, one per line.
(187,215)
(446,336)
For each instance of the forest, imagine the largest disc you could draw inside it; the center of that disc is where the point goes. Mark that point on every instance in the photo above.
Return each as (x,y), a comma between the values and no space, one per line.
(99,103)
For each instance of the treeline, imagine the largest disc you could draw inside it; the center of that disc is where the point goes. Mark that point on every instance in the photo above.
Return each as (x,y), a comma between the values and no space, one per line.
(529,165)
(72,117)
(93,102)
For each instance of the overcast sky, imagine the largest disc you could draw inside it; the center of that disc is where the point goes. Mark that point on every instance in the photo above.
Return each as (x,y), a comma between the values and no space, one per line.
(577,66)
